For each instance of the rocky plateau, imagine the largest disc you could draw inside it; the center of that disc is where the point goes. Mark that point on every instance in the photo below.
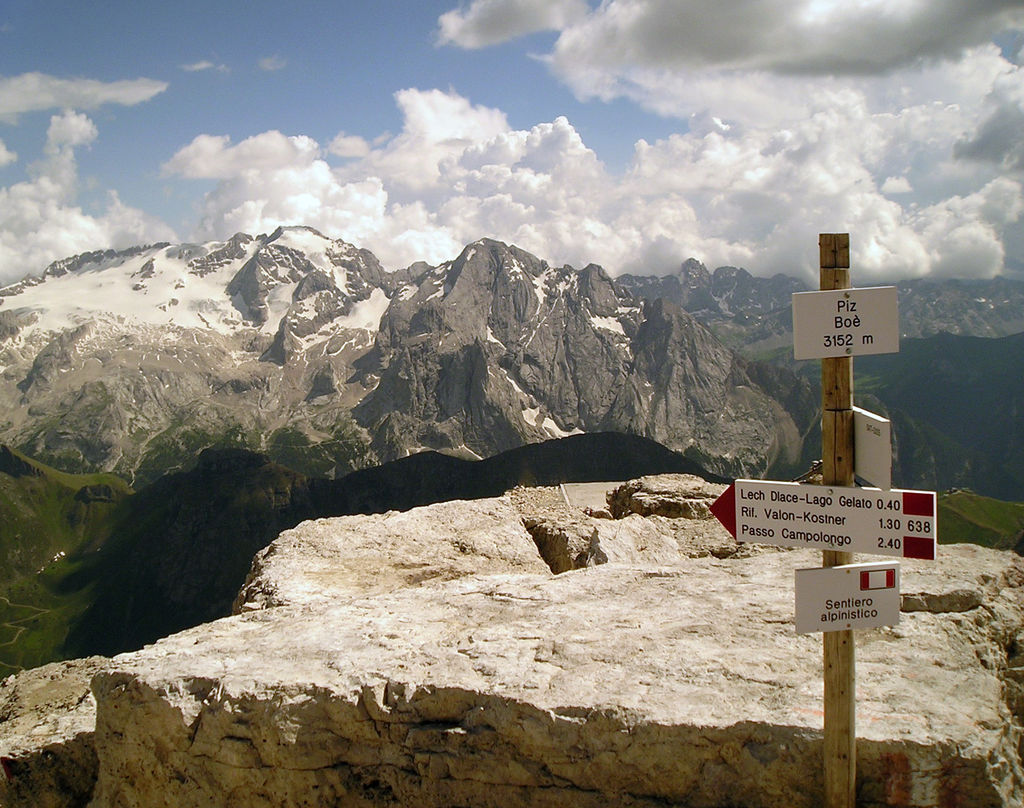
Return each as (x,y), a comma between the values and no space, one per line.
(519,651)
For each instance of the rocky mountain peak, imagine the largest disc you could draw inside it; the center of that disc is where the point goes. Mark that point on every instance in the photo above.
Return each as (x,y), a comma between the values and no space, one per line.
(726,291)
(599,290)
(694,274)
(202,262)
(489,272)
(296,335)
(270,268)
(95,260)
(499,343)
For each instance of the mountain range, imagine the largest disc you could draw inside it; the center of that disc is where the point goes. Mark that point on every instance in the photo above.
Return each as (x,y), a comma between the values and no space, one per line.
(306,349)
(754,314)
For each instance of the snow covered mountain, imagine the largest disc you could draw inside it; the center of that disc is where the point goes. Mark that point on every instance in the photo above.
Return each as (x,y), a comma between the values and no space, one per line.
(225,287)
(304,347)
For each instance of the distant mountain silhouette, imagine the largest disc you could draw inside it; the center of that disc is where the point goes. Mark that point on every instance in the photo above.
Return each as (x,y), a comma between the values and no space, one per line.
(183,545)
(427,477)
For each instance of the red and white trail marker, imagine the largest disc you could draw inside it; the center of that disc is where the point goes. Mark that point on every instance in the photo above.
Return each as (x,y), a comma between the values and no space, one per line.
(883,578)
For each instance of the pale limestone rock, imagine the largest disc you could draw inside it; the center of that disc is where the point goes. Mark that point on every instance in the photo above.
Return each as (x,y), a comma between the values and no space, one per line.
(362,674)
(368,555)
(671,676)
(657,520)
(671,495)
(47,717)
(606,686)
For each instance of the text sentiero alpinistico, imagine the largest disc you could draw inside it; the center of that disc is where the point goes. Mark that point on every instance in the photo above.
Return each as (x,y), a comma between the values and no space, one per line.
(848,609)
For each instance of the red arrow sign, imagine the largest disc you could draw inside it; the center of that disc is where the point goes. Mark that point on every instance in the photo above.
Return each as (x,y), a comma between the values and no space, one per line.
(858,520)
(724,509)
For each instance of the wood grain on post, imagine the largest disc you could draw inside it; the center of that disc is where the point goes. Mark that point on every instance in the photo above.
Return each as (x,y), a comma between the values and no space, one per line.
(837,469)
(834,249)
(840,720)
(837,373)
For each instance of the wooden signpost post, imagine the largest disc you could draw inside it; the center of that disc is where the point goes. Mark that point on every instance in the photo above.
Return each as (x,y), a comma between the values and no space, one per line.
(837,469)
(834,325)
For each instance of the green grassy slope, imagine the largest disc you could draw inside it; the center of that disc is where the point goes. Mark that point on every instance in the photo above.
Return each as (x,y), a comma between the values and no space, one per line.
(181,550)
(968,517)
(49,520)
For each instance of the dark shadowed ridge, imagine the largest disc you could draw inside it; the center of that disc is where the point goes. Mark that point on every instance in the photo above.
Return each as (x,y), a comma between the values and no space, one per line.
(184,544)
(956,405)
(427,477)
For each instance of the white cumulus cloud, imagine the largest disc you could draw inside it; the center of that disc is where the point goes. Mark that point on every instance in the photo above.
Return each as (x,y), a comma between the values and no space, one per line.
(272,179)
(6,155)
(742,194)
(68,130)
(40,220)
(887,118)
(439,126)
(896,185)
(489,22)
(348,146)
(965,232)
(214,157)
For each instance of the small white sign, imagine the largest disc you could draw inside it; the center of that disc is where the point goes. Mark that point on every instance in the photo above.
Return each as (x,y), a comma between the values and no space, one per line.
(872,448)
(846,322)
(850,596)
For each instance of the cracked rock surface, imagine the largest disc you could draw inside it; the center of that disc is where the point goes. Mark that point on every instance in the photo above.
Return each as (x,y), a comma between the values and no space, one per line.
(431,658)
(47,717)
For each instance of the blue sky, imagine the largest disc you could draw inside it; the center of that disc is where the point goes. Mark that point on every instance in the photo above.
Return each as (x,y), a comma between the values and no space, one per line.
(630,133)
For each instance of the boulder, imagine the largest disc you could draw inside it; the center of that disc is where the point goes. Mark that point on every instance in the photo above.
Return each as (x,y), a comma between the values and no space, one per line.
(670,495)
(361,556)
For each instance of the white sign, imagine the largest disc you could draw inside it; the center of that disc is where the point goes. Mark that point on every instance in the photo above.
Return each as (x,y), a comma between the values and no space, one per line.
(872,448)
(847,597)
(846,322)
(852,520)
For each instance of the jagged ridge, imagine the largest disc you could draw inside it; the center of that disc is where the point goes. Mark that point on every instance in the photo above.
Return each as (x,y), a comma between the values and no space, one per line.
(295,344)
